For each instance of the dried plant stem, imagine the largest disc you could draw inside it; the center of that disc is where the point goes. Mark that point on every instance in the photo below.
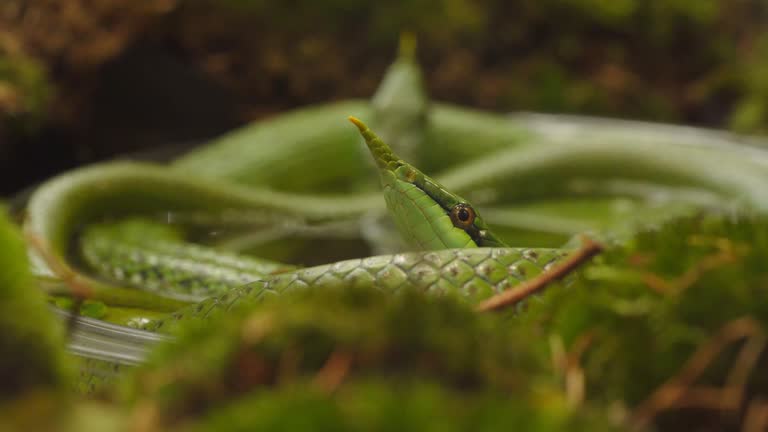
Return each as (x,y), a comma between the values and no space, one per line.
(79,288)
(575,380)
(511,297)
(333,372)
(679,392)
(756,419)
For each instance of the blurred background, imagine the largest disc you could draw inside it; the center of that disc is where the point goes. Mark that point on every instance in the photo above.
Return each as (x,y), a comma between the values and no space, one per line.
(81,80)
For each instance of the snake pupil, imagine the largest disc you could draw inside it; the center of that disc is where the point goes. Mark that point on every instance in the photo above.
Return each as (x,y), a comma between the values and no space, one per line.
(462,215)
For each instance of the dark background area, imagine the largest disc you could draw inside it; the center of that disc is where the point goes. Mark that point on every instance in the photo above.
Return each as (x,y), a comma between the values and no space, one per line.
(82,80)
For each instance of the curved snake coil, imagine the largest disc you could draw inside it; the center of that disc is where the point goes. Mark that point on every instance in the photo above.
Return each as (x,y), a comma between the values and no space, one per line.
(547,175)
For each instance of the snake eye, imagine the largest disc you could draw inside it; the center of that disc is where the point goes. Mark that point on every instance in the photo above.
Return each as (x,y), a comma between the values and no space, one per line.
(462,215)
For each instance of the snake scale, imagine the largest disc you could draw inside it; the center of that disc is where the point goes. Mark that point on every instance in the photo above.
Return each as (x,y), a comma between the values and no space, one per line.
(301,181)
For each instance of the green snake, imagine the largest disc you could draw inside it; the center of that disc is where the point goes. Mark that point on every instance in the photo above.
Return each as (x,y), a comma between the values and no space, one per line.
(296,188)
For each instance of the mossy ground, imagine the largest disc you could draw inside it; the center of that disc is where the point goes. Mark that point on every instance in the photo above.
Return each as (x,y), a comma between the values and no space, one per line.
(669,330)
(33,368)
(673,326)
(32,355)
(354,360)
(666,332)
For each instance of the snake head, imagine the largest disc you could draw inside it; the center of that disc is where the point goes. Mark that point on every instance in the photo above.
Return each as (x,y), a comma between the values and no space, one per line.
(427,214)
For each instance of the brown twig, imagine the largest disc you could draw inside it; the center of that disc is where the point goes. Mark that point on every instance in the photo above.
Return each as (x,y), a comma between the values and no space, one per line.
(333,372)
(678,390)
(559,354)
(79,288)
(693,274)
(145,417)
(511,297)
(756,418)
(575,382)
(727,253)
(745,363)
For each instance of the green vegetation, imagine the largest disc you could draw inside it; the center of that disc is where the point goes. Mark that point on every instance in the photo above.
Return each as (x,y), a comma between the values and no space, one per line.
(687,301)
(622,337)
(667,331)
(33,369)
(36,341)
(751,113)
(354,360)
(641,336)
(25,93)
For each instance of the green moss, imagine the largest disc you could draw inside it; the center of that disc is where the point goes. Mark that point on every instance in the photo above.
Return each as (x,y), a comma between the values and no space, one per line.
(25,92)
(30,338)
(377,405)
(293,337)
(33,369)
(355,360)
(649,307)
(751,113)
(644,310)
(94,309)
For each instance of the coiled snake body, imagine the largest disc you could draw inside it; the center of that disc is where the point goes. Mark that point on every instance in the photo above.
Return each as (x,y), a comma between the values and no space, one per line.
(299,183)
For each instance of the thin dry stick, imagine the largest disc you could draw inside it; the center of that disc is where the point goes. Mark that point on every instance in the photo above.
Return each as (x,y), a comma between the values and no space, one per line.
(736,382)
(575,382)
(509,298)
(671,393)
(78,287)
(559,355)
(693,274)
(332,374)
(756,419)
(145,417)
(727,253)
